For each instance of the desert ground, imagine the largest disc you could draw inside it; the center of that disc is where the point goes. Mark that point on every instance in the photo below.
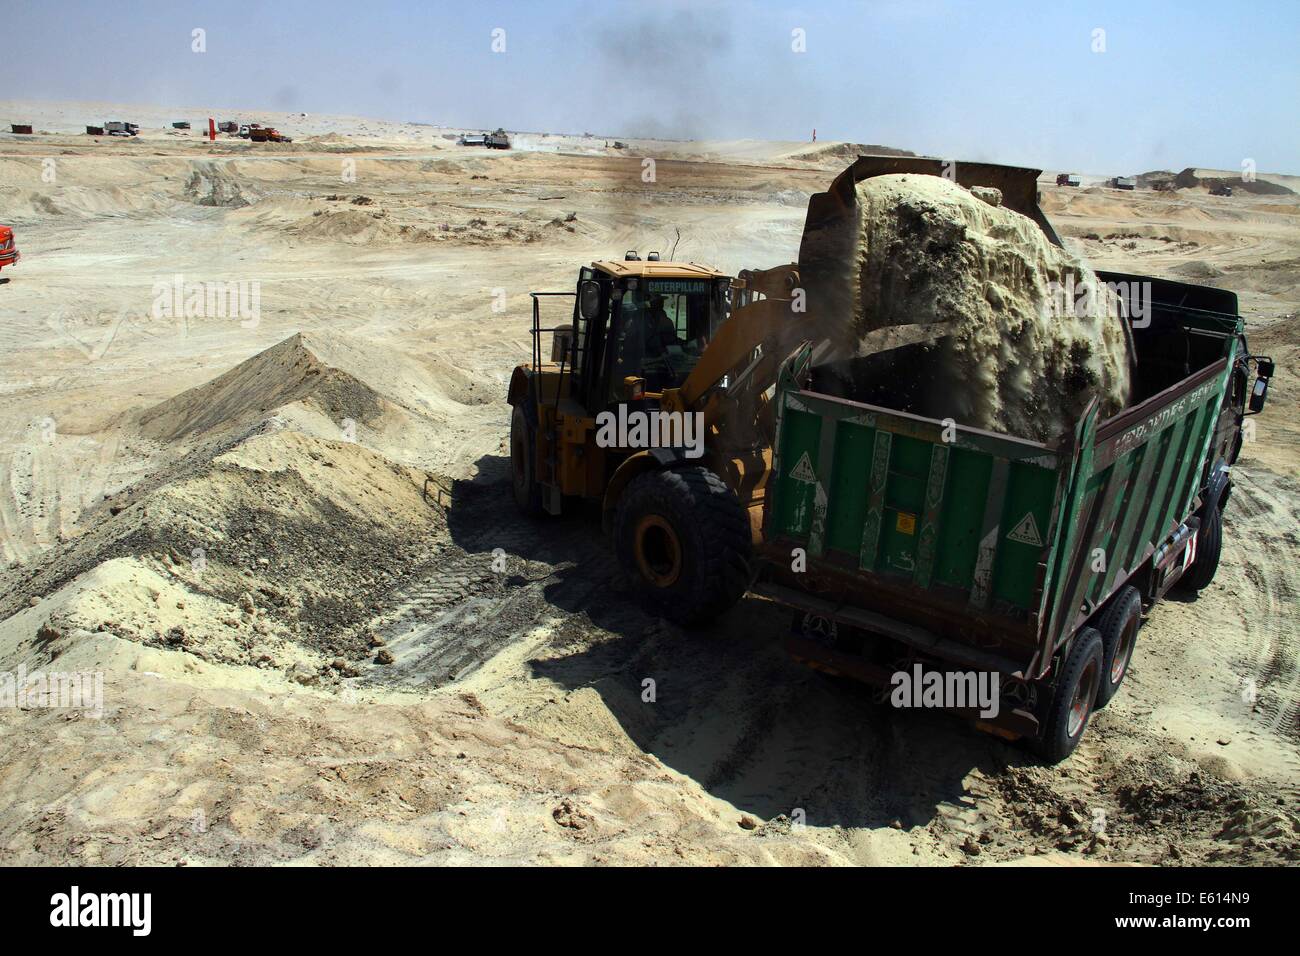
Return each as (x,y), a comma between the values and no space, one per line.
(285,538)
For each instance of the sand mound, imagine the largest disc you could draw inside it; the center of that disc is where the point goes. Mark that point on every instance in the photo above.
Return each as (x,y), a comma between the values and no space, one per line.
(1020,354)
(328,372)
(276,549)
(210,185)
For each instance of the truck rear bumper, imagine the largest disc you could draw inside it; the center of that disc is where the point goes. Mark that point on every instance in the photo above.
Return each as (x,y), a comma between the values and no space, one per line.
(917,637)
(1009,723)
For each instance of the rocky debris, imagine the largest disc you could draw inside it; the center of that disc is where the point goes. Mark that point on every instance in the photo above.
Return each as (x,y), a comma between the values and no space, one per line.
(569,815)
(301,673)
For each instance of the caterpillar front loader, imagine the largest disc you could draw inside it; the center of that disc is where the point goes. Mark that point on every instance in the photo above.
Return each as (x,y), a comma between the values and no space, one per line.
(649,336)
(653,337)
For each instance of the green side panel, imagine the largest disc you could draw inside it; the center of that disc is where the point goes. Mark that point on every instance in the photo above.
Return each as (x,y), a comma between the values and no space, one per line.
(1117,480)
(961,516)
(1159,487)
(936,484)
(880,453)
(1024,530)
(909,469)
(800,437)
(850,486)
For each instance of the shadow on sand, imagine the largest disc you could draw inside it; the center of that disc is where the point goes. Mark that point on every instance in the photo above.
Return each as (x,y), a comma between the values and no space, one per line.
(724,705)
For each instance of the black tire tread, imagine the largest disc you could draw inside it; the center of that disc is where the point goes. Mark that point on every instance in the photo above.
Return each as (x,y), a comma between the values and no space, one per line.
(1111,627)
(715,537)
(1053,745)
(1209,548)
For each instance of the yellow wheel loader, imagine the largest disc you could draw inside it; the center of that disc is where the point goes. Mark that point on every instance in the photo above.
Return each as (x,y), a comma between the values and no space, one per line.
(655,398)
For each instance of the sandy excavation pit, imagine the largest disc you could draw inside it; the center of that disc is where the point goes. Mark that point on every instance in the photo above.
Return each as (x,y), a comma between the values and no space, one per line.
(289,546)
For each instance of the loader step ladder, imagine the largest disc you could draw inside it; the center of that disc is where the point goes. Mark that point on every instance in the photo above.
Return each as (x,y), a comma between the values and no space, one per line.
(552,497)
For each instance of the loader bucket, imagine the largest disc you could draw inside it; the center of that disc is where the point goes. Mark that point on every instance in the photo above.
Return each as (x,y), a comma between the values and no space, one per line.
(830,229)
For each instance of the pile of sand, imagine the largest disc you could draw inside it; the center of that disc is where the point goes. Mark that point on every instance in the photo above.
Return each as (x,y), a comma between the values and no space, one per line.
(1017,351)
(278,548)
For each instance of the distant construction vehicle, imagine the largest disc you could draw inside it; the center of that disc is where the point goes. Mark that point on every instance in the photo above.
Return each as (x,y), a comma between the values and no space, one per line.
(119,128)
(267,134)
(8,251)
(21,128)
(1220,189)
(496,140)
(180,124)
(1067,179)
(228,126)
(1124,182)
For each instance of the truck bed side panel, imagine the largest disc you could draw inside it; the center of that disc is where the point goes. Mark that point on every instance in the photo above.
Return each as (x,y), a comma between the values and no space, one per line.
(1141,484)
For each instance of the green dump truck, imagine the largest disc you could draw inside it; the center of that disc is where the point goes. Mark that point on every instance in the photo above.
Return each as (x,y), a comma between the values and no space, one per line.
(901,541)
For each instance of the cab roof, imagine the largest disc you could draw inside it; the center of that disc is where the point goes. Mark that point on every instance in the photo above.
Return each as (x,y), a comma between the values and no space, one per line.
(652,269)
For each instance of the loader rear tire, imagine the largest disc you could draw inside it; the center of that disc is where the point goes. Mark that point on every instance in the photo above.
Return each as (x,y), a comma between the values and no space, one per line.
(1073,699)
(523,449)
(1119,629)
(682,537)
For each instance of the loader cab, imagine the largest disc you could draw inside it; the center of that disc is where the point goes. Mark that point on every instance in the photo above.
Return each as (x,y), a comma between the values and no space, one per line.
(644,321)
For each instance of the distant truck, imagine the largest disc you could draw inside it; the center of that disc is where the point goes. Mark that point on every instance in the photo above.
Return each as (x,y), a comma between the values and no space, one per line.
(267,134)
(1124,182)
(497,140)
(958,551)
(21,128)
(228,127)
(1220,189)
(119,128)
(1067,179)
(94,131)
(8,251)
(180,124)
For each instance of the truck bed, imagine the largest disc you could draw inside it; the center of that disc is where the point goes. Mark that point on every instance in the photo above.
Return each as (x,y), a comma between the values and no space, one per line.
(986,549)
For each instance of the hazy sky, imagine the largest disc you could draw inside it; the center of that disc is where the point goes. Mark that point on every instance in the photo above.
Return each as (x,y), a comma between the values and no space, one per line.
(1179,84)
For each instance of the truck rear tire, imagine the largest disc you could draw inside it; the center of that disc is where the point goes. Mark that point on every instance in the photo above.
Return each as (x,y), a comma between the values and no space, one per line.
(1118,628)
(1073,699)
(523,448)
(1209,546)
(683,539)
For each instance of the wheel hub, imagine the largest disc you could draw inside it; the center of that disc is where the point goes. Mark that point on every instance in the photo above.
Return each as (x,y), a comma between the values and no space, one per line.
(1084,694)
(658,551)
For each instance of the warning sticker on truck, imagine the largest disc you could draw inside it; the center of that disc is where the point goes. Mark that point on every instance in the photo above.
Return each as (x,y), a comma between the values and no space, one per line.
(803,470)
(1026,531)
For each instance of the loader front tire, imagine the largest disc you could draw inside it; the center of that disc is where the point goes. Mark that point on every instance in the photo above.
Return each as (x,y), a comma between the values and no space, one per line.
(682,538)
(523,474)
